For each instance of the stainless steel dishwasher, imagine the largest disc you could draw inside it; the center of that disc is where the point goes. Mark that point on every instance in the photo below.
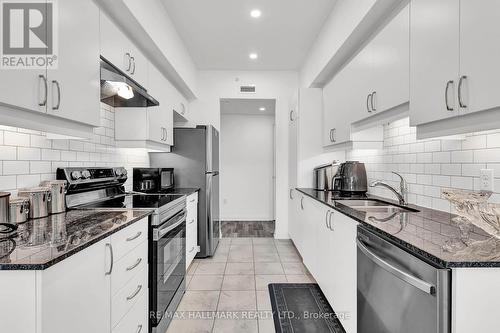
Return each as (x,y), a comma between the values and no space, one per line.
(398,292)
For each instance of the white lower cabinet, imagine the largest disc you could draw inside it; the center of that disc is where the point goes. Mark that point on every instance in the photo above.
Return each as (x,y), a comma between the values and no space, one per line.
(328,249)
(103,288)
(191,228)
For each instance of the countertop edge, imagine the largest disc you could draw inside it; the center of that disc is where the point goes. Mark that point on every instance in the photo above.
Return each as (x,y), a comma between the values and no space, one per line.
(426,256)
(41,267)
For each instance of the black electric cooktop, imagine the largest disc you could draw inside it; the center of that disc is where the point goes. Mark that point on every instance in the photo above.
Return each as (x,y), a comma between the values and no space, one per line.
(134,201)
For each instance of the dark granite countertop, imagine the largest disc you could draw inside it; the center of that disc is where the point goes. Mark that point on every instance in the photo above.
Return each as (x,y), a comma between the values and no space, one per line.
(41,243)
(184,190)
(428,233)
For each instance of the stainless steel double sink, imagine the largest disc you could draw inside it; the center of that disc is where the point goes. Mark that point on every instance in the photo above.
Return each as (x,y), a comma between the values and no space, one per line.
(375,206)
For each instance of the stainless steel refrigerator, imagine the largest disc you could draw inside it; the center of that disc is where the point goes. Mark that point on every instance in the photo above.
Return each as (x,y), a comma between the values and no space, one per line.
(195,159)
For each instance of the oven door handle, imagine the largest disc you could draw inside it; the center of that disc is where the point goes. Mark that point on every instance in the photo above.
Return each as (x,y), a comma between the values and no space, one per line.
(181,217)
(406,277)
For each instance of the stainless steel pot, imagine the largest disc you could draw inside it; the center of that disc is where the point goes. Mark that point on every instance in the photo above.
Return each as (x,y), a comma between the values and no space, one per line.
(39,199)
(4,206)
(19,209)
(58,193)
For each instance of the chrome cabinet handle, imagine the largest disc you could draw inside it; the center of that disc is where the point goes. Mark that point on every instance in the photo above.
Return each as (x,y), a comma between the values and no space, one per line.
(139,260)
(302,203)
(330,222)
(139,329)
(192,200)
(460,101)
(291,115)
(334,134)
(110,247)
(446,95)
(44,102)
(192,249)
(133,63)
(58,95)
(326,218)
(129,61)
(139,287)
(166,133)
(191,222)
(162,134)
(408,278)
(368,103)
(139,233)
(373,94)
(290,193)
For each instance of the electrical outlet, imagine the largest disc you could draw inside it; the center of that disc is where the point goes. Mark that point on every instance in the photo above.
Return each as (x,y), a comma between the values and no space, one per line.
(487,180)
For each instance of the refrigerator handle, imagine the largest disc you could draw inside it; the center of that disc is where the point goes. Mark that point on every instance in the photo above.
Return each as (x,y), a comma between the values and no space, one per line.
(209,199)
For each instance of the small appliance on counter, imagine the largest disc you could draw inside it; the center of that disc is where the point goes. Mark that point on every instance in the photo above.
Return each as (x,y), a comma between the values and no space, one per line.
(351,178)
(39,199)
(324,176)
(153,180)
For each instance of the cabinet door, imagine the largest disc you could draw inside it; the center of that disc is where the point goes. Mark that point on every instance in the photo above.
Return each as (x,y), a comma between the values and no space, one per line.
(344,286)
(479,54)
(161,116)
(76,292)
(359,82)
(74,87)
(390,56)
(336,118)
(115,46)
(323,275)
(434,60)
(139,67)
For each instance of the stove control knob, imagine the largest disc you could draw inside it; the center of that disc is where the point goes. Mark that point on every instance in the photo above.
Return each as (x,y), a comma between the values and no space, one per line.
(120,172)
(86,174)
(75,175)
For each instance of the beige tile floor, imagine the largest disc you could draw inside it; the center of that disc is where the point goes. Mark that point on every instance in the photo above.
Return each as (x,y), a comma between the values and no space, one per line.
(228,292)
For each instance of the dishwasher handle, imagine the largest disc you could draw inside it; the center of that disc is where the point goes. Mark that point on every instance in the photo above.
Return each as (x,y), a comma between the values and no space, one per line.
(406,277)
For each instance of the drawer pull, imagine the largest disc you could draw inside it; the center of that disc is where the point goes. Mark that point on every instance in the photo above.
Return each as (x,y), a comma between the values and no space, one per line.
(139,287)
(191,222)
(139,329)
(139,260)
(134,237)
(192,249)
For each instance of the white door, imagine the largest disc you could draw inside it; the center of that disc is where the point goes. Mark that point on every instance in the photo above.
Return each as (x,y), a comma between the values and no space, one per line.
(434,60)
(139,66)
(359,85)
(479,54)
(390,57)
(292,168)
(322,252)
(336,117)
(74,87)
(76,292)
(160,117)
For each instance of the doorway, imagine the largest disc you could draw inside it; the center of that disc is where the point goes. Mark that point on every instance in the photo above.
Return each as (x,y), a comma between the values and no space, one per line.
(247,170)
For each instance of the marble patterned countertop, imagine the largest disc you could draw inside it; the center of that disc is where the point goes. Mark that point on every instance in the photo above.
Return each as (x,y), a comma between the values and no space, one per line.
(41,243)
(425,233)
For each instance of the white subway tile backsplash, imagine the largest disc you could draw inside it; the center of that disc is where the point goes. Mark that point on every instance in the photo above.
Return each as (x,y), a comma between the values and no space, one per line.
(430,165)
(16,139)
(27,157)
(16,167)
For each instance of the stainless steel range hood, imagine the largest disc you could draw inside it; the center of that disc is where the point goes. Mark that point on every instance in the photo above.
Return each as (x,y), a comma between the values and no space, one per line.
(119,90)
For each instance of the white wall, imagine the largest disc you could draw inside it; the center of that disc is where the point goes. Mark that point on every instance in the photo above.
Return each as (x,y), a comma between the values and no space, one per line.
(430,165)
(247,167)
(279,85)
(28,157)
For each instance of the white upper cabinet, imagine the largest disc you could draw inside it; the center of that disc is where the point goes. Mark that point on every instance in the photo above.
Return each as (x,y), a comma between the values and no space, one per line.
(74,87)
(70,89)
(434,60)
(336,120)
(121,52)
(390,58)
(479,55)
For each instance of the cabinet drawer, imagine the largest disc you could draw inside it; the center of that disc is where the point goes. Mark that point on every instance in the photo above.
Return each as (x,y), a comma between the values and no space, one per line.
(128,266)
(125,299)
(128,238)
(136,320)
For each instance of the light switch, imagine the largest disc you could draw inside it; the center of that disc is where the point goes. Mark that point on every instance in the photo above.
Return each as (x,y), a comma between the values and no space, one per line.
(487,180)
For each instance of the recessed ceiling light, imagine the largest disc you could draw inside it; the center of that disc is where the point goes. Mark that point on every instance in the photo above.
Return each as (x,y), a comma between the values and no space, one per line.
(255,13)
(253,56)
(262,109)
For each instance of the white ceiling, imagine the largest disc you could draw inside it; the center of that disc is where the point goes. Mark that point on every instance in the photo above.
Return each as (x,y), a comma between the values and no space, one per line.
(247,106)
(220,34)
